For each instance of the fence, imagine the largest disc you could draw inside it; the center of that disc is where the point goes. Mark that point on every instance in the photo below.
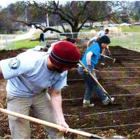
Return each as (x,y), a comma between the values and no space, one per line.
(7,42)
(125,39)
(130,40)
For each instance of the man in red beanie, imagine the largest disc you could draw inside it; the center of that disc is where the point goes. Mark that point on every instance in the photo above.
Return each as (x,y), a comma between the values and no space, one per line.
(30,75)
(61,60)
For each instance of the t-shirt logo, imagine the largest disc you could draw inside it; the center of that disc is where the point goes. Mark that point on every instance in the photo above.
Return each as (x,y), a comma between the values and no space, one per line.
(14,63)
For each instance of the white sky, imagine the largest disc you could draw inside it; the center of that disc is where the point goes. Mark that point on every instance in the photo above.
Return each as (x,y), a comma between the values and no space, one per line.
(4,3)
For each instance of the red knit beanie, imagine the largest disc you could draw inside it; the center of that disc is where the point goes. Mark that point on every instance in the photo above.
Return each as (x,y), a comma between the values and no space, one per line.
(65,55)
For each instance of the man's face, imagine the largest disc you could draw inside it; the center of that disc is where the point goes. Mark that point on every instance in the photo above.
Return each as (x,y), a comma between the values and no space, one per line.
(106,32)
(104,45)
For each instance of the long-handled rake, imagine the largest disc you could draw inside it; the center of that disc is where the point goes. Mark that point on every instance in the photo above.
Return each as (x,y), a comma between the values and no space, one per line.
(96,80)
(42,122)
(32,119)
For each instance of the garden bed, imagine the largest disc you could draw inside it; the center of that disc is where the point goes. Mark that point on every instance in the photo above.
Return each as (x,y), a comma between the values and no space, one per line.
(121,80)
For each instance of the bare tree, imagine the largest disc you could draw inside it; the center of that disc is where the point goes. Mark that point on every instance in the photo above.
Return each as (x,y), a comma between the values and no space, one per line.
(77,13)
(74,13)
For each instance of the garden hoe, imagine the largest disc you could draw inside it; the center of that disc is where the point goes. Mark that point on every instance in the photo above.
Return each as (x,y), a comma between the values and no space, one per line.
(114,59)
(96,81)
(42,122)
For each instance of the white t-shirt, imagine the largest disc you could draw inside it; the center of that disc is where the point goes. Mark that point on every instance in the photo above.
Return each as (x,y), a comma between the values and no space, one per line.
(101,33)
(94,39)
(36,48)
(27,74)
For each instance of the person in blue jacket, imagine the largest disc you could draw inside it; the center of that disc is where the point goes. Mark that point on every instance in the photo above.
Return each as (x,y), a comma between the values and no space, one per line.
(96,38)
(90,59)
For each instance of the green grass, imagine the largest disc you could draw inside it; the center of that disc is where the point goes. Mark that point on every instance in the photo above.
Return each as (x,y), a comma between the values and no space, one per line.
(128,41)
(22,44)
(131,41)
(129,38)
(130,29)
(19,44)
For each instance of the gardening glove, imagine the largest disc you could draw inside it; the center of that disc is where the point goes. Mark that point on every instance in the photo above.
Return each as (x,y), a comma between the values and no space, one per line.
(89,68)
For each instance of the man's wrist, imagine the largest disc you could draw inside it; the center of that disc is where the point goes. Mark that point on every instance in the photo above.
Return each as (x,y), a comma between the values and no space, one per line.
(1,105)
(89,68)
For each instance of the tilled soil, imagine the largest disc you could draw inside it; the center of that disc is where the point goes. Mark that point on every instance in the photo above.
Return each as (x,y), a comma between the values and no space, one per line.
(120,79)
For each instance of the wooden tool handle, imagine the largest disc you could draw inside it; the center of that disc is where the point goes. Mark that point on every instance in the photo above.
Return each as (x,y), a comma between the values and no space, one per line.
(93,78)
(32,119)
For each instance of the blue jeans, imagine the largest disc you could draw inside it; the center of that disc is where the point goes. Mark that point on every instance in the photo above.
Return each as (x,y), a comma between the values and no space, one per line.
(91,86)
(102,59)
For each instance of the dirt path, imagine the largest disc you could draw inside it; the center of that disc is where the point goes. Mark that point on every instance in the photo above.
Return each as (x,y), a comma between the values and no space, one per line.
(27,35)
